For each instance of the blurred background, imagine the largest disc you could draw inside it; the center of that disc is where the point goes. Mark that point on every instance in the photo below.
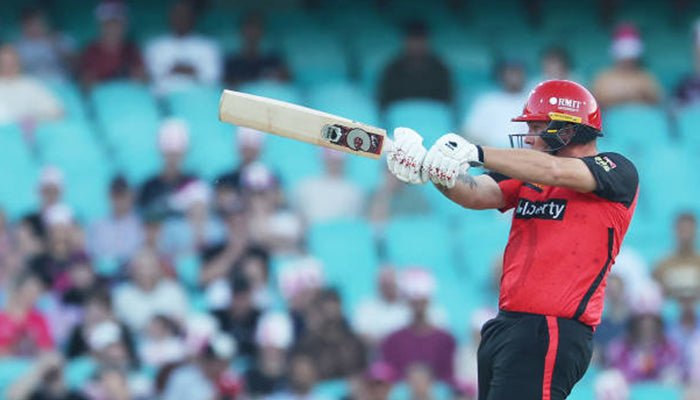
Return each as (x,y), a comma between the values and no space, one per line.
(148,251)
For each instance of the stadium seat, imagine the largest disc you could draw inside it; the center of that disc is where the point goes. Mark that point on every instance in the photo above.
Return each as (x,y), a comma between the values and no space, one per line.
(688,122)
(335,389)
(431,119)
(69,94)
(323,62)
(11,369)
(482,237)
(79,371)
(346,248)
(187,269)
(18,174)
(419,241)
(344,99)
(128,116)
(275,90)
(211,149)
(635,128)
(655,391)
(401,391)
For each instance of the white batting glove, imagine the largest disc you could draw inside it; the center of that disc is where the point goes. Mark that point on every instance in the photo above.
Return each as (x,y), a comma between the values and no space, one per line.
(450,157)
(405,160)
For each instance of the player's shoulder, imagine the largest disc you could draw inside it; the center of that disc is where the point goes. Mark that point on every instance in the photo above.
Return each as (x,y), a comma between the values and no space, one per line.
(611,160)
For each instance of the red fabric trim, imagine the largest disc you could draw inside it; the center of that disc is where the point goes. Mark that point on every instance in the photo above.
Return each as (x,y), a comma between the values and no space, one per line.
(551,357)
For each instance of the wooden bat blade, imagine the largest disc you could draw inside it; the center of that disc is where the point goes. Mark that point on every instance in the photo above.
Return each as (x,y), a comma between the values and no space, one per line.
(302,123)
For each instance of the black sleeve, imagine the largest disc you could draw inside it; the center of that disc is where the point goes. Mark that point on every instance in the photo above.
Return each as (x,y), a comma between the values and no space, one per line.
(616,177)
(498,177)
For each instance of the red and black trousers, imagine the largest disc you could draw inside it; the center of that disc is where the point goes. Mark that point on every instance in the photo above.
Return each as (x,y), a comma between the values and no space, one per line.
(532,357)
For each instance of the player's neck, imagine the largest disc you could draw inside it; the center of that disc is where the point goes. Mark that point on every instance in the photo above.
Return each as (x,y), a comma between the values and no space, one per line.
(579,150)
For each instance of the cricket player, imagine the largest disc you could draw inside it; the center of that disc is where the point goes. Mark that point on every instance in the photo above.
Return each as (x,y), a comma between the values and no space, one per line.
(572,206)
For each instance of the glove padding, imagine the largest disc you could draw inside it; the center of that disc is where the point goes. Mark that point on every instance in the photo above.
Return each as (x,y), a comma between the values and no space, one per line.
(405,160)
(450,157)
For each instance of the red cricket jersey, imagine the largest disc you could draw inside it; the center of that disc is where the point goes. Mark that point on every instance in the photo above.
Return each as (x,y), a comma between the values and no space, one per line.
(562,243)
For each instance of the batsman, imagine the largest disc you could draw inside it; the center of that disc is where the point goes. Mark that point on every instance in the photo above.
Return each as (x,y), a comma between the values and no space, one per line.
(571,205)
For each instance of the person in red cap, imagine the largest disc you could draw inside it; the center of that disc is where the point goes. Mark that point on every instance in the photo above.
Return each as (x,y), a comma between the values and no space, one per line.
(627,81)
(571,206)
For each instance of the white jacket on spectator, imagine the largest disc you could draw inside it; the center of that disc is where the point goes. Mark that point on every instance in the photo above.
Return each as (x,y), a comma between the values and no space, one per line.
(135,307)
(24,97)
(164,54)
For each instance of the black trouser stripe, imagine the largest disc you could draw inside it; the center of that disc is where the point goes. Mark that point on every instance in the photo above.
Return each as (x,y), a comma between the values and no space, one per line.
(594,286)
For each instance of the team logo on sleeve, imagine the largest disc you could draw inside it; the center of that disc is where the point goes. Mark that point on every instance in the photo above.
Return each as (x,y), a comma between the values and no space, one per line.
(552,209)
(606,163)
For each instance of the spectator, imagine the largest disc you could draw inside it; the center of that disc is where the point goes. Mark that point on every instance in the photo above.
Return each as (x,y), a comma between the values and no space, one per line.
(262,197)
(44,381)
(679,272)
(687,92)
(645,352)
(156,194)
(329,196)
(392,199)
(252,62)
(25,330)
(555,64)
(416,73)
(420,380)
(303,376)
(149,293)
(375,318)
(97,310)
(335,350)
(421,341)
(611,385)
(466,372)
(273,337)
(183,57)
(218,260)
(64,247)
(240,317)
(255,267)
(111,383)
(378,380)
(488,122)
(120,235)
(24,99)
(112,55)
(163,343)
(250,145)
(50,188)
(617,312)
(300,283)
(208,376)
(44,54)
(626,81)
(108,347)
(81,280)
(685,329)
(197,229)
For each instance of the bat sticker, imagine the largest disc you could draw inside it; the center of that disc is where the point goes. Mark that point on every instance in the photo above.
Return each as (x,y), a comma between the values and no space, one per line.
(353,138)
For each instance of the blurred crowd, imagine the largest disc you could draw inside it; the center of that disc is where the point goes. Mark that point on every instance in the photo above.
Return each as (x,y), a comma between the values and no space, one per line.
(121,298)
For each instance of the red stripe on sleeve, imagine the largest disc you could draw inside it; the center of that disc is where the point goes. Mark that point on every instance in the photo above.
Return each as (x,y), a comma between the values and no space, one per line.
(551,357)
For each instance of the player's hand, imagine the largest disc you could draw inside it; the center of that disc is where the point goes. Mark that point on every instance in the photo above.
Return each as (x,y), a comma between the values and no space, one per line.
(405,160)
(450,157)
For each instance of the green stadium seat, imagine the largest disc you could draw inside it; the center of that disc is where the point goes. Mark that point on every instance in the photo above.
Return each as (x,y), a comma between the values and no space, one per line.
(72,99)
(335,389)
(635,128)
(273,89)
(344,99)
(346,249)
(419,241)
(187,268)
(12,369)
(431,119)
(372,56)
(18,174)
(655,391)
(482,237)
(291,159)
(688,122)
(325,61)
(79,371)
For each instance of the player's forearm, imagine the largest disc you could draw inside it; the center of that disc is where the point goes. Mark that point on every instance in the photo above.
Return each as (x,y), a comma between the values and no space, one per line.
(538,167)
(477,193)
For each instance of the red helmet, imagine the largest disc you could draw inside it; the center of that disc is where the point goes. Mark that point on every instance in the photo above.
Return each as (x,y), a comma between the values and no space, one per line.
(564,101)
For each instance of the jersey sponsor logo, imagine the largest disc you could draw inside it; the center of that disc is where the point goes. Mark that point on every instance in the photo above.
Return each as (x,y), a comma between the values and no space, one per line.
(606,163)
(552,209)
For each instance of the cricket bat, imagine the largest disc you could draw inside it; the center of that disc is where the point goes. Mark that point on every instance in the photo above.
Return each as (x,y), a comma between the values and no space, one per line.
(302,123)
